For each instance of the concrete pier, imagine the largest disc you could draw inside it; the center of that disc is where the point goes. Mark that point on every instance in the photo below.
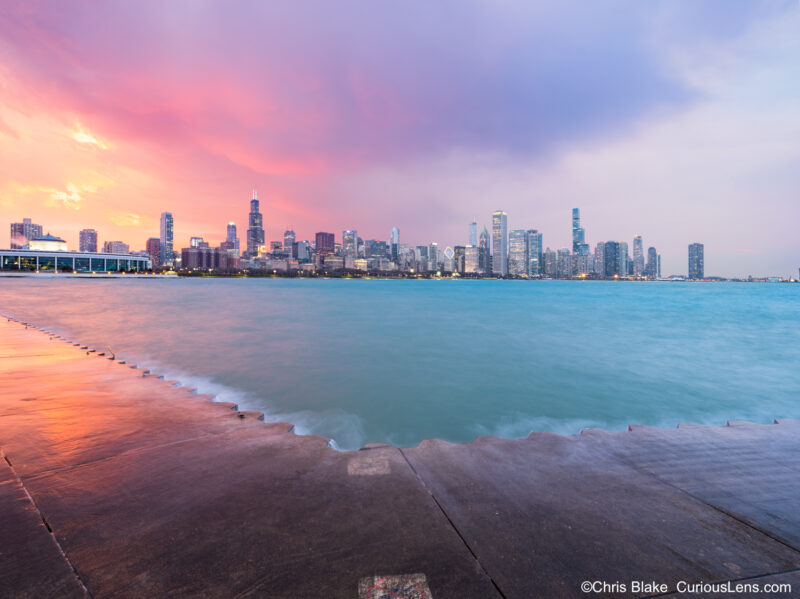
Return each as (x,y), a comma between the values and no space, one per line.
(117,483)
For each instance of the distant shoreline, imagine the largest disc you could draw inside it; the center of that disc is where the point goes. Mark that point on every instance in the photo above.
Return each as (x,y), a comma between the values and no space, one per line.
(350,275)
(83,275)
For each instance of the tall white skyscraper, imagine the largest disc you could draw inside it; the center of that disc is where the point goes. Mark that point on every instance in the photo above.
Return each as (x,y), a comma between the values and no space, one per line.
(473,233)
(394,243)
(500,243)
(350,244)
(167,252)
(433,256)
(518,252)
(638,256)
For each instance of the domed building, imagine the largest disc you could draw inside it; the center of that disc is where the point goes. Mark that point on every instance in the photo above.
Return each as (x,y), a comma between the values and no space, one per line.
(47,243)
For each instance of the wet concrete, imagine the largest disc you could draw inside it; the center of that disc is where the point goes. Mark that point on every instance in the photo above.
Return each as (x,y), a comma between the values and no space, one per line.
(31,564)
(152,490)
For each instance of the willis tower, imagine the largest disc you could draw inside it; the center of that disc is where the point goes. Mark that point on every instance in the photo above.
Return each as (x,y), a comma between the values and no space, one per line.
(255,229)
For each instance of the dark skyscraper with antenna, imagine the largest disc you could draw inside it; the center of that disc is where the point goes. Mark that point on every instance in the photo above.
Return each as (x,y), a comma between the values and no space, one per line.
(255,228)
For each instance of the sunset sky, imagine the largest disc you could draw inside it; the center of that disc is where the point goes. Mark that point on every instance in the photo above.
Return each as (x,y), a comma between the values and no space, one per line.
(679,121)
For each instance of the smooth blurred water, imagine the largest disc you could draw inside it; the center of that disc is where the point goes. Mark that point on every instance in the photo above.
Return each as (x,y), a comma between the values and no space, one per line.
(400,361)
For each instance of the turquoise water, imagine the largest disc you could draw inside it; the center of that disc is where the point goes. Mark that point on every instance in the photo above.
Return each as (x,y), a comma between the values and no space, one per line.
(400,361)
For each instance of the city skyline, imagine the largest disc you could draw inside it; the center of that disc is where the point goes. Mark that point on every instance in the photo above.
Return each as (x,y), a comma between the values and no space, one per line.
(662,122)
(518,253)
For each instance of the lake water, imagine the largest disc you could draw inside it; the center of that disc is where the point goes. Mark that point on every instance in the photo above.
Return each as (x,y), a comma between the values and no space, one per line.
(399,361)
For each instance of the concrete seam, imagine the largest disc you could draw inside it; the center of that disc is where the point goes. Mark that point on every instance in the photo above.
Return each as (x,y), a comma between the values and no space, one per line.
(47,525)
(452,524)
(717,508)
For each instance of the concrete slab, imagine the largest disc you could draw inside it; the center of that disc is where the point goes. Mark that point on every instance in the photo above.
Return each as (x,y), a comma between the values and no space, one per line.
(250,514)
(544,514)
(31,564)
(750,471)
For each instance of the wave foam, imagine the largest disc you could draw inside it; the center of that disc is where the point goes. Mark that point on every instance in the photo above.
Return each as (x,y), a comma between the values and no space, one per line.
(344,429)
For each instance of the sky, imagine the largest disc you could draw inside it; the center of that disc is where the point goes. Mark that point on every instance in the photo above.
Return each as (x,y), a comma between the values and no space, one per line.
(677,121)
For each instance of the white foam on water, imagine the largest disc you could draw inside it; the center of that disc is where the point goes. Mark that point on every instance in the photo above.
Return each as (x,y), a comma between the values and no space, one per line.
(344,429)
(524,425)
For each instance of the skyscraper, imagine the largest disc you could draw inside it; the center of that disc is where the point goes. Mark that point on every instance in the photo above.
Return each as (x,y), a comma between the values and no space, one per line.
(167,254)
(376,249)
(518,252)
(550,262)
(611,252)
(349,247)
(394,243)
(289,247)
(584,262)
(350,242)
(255,228)
(651,269)
(534,252)
(88,240)
(302,250)
(448,264)
(500,243)
(638,256)
(231,239)
(623,259)
(153,249)
(22,233)
(565,265)
(325,245)
(696,261)
(578,234)
(599,259)
(473,233)
(421,255)
(484,255)
(471,264)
